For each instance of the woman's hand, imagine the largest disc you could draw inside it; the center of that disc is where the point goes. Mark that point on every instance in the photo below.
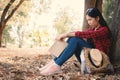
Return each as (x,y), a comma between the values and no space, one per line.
(61,37)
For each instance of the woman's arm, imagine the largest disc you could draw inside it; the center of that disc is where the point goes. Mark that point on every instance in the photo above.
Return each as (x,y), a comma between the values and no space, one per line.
(102,32)
(66,35)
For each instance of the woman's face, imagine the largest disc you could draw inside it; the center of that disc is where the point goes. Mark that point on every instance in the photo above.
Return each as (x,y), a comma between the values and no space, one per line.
(93,22)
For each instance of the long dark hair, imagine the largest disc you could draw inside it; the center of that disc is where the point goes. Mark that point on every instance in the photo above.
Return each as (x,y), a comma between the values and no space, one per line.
(94,12)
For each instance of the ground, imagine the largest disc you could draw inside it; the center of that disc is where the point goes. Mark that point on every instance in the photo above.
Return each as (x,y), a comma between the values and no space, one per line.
(22,63)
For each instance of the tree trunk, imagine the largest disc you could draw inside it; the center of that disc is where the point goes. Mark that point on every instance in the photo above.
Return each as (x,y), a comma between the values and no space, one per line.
(5,17)
(115,28)
(0,38)
(2,26)
(89,4)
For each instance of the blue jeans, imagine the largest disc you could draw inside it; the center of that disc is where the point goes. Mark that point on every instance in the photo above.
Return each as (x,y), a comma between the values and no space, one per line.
(75,45)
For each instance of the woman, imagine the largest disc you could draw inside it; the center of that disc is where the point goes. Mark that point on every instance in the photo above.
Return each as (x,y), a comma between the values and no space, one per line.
(97,36)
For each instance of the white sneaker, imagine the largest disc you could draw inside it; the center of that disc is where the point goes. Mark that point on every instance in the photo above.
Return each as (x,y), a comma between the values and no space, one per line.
(51,69)
(40,69)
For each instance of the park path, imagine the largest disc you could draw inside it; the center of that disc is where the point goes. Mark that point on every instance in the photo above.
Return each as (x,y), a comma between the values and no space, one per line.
(23,52)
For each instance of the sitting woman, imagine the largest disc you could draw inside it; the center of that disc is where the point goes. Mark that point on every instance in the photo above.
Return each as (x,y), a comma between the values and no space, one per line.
(97,36)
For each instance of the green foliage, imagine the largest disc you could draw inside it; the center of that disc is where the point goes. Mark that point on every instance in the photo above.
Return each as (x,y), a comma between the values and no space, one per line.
(22,14)
(108,6)
(62,23)
(6,36)
(35,37)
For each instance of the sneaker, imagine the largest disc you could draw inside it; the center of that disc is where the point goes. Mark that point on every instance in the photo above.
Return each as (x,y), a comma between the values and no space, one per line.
(51,69)
(40,69)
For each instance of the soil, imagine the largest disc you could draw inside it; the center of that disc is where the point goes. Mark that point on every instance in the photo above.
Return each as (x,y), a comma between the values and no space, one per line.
(22,63)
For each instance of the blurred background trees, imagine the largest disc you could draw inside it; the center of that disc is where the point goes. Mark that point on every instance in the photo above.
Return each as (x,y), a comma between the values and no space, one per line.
(36,21)
(6,13)
(108,10)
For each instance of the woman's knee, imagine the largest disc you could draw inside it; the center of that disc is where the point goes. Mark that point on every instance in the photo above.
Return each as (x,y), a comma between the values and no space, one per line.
(81,42)
(75,39)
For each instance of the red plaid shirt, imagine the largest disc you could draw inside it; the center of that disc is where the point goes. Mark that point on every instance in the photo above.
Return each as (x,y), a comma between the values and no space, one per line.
(99,36)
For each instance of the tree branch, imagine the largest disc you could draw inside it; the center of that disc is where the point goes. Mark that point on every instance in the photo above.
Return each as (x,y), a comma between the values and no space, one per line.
(13,11)
(6,10)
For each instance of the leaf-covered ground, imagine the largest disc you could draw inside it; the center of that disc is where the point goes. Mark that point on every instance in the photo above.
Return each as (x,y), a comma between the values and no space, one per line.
(25,68)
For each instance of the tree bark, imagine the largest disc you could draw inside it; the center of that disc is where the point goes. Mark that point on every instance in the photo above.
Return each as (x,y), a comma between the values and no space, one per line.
(115,29)
(89,4)
(2,24)
(0,38)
